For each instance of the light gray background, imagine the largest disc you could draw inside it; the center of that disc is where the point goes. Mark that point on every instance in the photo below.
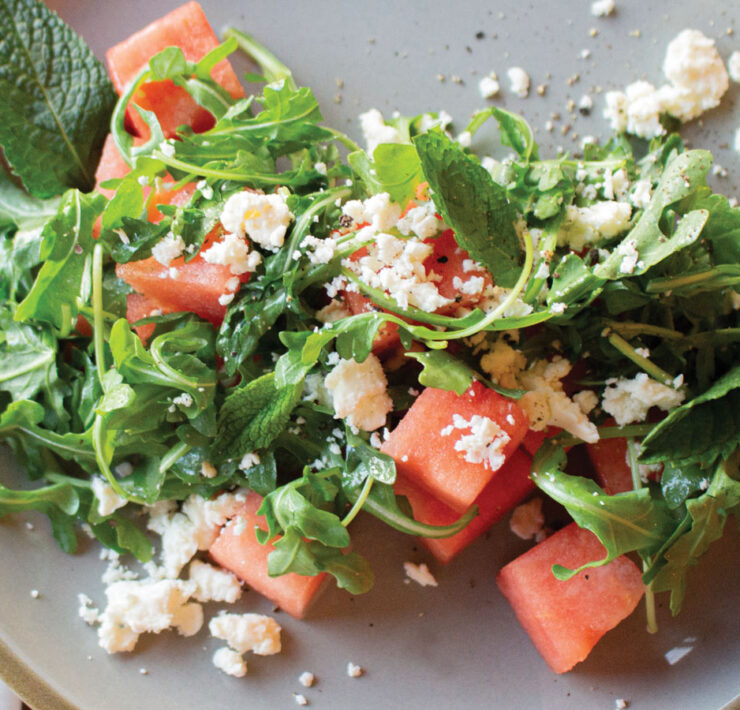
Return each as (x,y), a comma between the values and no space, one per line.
(458,645)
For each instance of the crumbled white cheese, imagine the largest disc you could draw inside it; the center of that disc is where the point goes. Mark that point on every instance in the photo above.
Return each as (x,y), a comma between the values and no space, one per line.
(263,218)
(641,193)
(213,584)
(307,679)
(621,704)
(233,251)
(179,541)
(471,287)
(300,699)
(504,364)
(86,611)
(585,225)
(208,516)
(630,256)
(587,400)
(208,470)
(249,460)
(733,66)
(319,251)
(353,670)
(419,574)
(108,500)
(136,607)
(169,248)
(358,391)
(334,311)
(230,662)
(247,632)
(379,210)
(465,139)
(421,220)
(488,86)
(628,400)
(485,443)
(602,8)
(183,399)
(518,81)
(527,520)
(375,131)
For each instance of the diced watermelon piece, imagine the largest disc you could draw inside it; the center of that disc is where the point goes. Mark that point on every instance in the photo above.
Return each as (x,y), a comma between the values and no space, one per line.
(165,194)
(138,307)
(185,27)
(428,458)
(447,262)
(508,487)
(110,167)
(566,619)
(611,463)
(243,555)
(387,337)
(196,287)
(534,439)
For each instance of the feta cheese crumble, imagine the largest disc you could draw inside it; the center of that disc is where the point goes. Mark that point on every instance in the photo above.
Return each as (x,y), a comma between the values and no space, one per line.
(733,66)
(354,671)
(518,81)
(628,400)
(488,86)
(169,248)
(583,226)
(358,391)
(527,520)
(213,584)
(485,443)
(230,662)
(602,8)
(257,633)
(233,251)
(108,500)
(262,218)
(307,679)
(419,574)
(375,130)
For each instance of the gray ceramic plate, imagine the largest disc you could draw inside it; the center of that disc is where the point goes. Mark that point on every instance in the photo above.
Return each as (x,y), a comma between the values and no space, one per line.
(457,645)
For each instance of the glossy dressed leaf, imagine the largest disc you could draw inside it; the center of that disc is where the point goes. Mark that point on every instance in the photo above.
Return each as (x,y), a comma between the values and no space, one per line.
(363,461)
(443,371)
(700,430)
(393,168)
(706,516)
(625,522)
(517,134)
(252,416)
(22,210)
(55,100)
(473,205)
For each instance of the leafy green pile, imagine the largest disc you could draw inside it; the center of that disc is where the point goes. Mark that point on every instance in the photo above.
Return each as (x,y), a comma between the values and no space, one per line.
(154,420)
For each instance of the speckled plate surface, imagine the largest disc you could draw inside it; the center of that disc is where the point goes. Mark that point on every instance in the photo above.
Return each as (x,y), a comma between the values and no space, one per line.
(457,645)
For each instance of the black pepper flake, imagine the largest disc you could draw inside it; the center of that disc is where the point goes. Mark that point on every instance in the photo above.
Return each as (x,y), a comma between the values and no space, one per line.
(480,35)
(345,221)
(442,260)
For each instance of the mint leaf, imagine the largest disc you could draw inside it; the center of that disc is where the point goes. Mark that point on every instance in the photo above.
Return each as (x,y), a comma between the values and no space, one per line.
(473,205)
(252,416)
(623,523)
(55,100)
(394,168)
(705,520)
(712,430)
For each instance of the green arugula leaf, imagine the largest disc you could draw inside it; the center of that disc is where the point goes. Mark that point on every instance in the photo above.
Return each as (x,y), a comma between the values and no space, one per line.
(517,134)
(55,100)
(473,205)
(252,416)
(443,371)
(67,252)
(362,461)
(712,430)
(22,210)
(704,523)
(394,168)
(678,484)
(625,522)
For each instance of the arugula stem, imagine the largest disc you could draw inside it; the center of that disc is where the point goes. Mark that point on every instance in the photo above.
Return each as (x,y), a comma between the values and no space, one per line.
(66,326)
(89,311)
(633,453)
(265,178)
(643,363)
(272,68)
(722,277)
(97,301)
(175,376)
(628,328)
(344,139)
(357,506)
(173,455)
(98,436)
(535,285)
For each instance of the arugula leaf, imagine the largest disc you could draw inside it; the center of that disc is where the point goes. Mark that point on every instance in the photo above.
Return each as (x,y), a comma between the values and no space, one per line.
(394,168)
(473,205)
(516,133)
(704,523)
(443,371)
(363,461)
(252,416)
(66,251)
(623,522)
(22,210)
(678,484)
(712,430)
(55,100)
(683,176)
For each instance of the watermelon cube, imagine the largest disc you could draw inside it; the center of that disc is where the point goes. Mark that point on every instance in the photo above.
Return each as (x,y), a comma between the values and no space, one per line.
(237,549)
(508,487)
(434,449)
(185,27)
(566,619)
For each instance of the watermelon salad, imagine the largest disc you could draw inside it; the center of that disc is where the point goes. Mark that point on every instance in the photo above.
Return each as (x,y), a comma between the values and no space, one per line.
(227,330)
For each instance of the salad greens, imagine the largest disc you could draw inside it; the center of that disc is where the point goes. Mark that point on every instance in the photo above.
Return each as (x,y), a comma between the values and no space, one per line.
(247,402)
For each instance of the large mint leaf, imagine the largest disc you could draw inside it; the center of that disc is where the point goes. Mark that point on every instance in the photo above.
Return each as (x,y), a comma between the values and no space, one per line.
(473,205)
(252,416)
(704,428)
(55,100)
